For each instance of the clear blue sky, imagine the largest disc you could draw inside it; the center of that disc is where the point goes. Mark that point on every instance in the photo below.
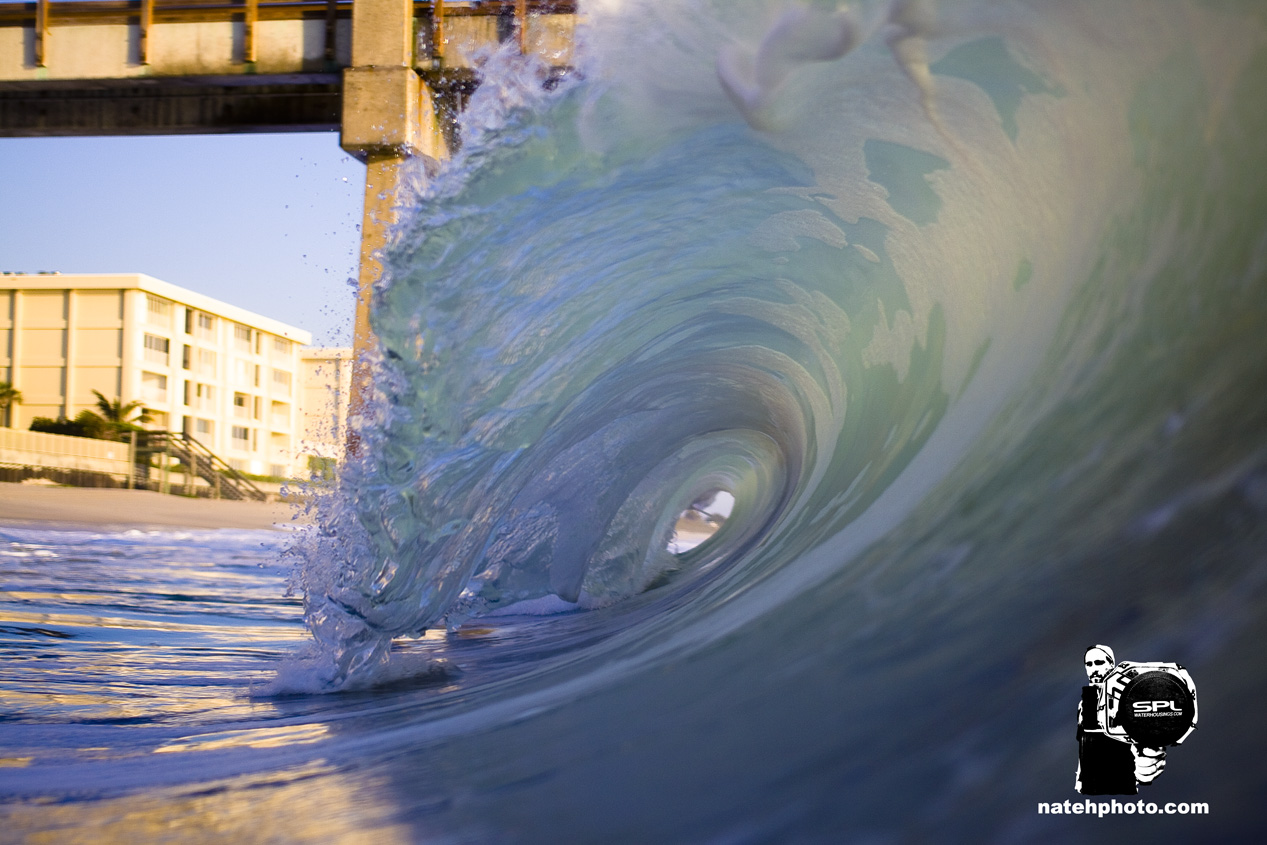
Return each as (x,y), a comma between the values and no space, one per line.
(266,222)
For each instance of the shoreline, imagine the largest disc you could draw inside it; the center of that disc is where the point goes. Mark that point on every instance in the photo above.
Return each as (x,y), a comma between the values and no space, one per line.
(69,508)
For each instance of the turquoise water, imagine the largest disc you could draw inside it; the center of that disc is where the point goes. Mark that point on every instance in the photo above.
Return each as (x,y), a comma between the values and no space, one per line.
(963,304)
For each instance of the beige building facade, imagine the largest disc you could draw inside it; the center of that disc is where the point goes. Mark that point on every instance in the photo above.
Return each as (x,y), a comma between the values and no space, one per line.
(327,389)
(230,378)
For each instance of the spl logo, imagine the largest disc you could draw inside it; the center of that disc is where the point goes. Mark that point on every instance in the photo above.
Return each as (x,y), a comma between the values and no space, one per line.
(1155,706)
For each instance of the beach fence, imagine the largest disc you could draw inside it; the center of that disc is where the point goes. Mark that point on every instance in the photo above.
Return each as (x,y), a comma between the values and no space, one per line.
(81,461)
(165,461)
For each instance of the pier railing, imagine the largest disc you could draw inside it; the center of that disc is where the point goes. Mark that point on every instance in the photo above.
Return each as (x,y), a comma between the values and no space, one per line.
(43,15)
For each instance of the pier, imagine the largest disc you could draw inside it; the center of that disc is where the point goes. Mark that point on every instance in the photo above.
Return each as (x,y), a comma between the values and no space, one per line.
(388,75)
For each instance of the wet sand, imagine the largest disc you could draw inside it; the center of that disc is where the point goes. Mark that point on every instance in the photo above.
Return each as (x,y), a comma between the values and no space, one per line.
(69,507)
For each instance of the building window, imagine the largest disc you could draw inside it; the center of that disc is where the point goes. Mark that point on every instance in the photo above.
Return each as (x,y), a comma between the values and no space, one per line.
(206,327)
(242,338)
(187,357)
(189,321)
(259,414)
(281,346)
(206,428)
(203,395)
(158,419)
(188,392)
(159,309)
(281,381)
(240,406)
(207,362)
(157,349)
(257,375)
(277,470)
(153,387)
(241,437)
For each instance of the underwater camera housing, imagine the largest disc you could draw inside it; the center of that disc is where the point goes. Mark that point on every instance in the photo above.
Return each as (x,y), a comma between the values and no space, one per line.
(1150,704)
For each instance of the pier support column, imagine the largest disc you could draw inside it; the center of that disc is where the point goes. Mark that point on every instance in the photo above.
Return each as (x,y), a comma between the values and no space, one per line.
(388,118)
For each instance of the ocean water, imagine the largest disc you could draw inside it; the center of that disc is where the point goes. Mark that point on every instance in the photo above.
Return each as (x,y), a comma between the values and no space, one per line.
(963,304)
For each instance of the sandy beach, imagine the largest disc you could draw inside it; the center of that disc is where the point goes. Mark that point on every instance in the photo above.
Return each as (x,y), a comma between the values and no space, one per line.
(31,504)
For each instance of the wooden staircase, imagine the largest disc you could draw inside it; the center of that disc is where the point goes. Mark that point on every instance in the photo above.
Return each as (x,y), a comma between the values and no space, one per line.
(223,481)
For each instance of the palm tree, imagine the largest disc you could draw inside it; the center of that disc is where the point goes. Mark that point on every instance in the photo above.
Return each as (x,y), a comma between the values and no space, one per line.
(113,417)
(8,395)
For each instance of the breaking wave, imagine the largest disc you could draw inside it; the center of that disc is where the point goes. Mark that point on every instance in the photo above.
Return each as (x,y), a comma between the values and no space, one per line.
(960,303)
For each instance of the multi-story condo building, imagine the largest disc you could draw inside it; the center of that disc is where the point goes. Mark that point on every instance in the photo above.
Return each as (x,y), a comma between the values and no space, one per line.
(224,375)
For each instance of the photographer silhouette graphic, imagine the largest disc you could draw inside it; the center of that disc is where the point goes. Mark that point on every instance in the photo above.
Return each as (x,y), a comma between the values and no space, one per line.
(1129,714)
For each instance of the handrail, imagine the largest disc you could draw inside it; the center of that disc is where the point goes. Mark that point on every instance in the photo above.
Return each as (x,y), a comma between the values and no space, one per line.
(72,12)
(216,469)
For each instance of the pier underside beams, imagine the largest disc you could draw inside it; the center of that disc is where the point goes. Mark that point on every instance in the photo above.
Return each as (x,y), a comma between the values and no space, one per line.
(171,106)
